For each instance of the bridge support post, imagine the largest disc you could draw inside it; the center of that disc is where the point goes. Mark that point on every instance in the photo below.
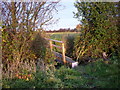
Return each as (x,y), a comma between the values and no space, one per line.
(50,42)
(63,53)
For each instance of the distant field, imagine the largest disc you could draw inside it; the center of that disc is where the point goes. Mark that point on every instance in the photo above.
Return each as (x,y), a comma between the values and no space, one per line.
(62,35)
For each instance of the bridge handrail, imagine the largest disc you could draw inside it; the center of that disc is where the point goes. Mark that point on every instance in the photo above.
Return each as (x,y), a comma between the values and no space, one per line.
(54,40)
(63,47)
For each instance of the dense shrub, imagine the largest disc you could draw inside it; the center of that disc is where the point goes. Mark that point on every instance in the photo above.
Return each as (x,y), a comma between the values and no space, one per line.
(69,45)
(17,55)
(38,45)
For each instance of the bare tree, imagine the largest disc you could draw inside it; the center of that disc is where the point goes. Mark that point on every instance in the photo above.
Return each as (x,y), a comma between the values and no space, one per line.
(27,15)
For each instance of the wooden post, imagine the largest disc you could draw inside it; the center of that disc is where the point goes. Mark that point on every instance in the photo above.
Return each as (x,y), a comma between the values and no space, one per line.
(63,53)
(50,45)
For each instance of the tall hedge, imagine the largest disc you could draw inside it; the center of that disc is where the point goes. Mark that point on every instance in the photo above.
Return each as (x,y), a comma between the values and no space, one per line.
(100,32)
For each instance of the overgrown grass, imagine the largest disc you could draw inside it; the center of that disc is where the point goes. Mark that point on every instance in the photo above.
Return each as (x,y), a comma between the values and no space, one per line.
(102,74)
(97,74)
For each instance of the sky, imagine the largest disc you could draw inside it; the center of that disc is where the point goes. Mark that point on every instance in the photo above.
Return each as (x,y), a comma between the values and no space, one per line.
(65,16)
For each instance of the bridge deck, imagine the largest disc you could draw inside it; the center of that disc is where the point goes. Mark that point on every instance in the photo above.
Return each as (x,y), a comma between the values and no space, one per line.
(68,59)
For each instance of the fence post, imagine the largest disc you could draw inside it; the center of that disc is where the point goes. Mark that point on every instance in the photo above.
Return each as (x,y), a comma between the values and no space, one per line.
(63,53)
(50,45)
